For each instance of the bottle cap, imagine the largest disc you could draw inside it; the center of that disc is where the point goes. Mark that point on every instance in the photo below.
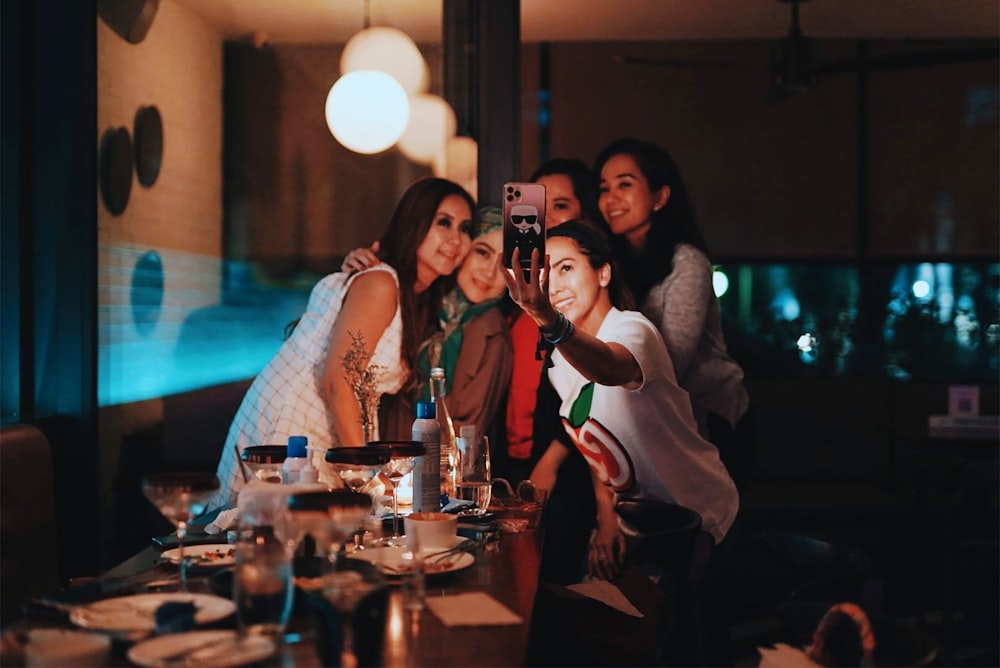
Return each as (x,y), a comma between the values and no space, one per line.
(426,410)
(297,446)
(467,431)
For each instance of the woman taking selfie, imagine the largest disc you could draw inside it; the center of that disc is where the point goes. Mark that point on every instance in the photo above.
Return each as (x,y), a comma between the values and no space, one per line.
(391,306)
(621,404)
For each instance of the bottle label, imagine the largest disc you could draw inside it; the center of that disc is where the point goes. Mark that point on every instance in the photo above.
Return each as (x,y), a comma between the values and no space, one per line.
(426,469)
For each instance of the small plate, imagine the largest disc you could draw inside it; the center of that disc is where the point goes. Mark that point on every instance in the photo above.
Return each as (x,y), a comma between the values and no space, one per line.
(390,562)
(203,555)
(207,648)
(137,613)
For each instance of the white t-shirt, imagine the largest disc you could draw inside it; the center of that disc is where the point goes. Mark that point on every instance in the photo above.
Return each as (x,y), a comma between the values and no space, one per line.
(643,441)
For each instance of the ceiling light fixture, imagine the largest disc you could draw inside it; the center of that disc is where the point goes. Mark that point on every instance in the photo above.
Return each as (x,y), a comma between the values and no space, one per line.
(432,124)
(367,111)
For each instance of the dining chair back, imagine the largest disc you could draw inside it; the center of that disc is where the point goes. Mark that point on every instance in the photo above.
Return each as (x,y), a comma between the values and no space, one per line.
(28,557)
(668,539)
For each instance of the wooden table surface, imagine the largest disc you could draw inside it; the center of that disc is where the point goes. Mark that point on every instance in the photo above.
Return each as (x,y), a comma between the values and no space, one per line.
(506,569)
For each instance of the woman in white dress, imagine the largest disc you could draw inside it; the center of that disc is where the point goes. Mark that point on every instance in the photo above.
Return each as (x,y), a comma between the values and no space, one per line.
(392,306)
(621,405)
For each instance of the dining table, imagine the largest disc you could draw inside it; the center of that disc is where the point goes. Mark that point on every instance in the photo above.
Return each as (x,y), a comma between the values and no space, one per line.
(505,568)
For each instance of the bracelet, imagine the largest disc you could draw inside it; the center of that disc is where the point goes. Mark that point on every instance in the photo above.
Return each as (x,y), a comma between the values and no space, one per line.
(562,330)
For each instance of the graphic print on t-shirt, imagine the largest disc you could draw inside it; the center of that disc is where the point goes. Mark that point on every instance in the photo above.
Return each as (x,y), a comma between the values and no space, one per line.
(599,447)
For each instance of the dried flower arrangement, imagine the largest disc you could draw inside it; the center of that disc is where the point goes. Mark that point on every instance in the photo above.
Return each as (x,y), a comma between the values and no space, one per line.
(363,379)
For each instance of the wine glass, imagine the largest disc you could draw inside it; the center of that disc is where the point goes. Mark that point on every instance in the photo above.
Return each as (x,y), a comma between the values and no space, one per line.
(265,461)
(357,467)
(402,456)
(179,496)
(331,518)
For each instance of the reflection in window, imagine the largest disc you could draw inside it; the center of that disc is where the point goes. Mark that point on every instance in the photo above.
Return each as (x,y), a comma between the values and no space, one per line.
(935,321)
(784,319)
(941,321)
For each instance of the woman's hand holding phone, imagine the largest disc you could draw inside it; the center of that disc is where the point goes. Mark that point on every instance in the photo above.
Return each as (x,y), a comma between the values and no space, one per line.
(530,288)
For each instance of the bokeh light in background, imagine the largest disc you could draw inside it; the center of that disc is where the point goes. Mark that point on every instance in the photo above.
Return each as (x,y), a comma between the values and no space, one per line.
(367,111)
(432,123)
(720,282)
(387,50)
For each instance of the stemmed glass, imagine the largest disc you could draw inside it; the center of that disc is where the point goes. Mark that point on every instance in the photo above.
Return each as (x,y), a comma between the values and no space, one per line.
(402,455)
(180,496)
(332,518)
(357,467)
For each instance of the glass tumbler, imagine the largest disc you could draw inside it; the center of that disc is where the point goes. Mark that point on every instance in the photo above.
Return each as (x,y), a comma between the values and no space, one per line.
(263,583)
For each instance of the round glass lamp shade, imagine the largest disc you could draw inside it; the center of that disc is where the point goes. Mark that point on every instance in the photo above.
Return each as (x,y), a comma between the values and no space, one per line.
(432,124)
(388,50)
(367,111)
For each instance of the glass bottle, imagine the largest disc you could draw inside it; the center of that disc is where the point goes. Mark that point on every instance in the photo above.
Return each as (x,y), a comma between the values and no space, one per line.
(449,458)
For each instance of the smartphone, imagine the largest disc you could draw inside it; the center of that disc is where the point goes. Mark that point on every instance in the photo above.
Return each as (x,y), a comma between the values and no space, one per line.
(523,222)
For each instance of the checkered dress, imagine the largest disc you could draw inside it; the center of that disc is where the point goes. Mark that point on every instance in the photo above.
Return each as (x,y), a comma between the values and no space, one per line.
(285,400)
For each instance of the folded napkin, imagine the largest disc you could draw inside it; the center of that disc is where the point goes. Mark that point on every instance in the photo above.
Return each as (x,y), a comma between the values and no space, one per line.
(784,656)
(606,593)
(472,609)
(223,521)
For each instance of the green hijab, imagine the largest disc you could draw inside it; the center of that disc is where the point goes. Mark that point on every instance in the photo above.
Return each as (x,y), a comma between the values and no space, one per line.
(442,348)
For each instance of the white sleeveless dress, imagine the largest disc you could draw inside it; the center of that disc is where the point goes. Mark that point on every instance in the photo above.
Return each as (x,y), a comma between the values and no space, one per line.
(284,399)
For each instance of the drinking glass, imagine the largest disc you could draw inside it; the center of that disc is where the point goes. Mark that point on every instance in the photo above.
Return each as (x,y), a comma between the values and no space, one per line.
(263,583)
(180,496)
(402,455)
(476,482)
(357,467)
(331,518)
(264,461)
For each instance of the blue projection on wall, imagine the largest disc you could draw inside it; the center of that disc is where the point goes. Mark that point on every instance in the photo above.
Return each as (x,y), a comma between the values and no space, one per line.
(167,324)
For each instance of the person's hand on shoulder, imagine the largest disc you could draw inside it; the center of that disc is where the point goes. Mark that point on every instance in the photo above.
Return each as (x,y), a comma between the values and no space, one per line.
(360,259)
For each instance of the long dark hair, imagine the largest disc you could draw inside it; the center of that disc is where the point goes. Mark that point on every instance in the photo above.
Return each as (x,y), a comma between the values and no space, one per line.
(584,185)
(407,228)
(593,243)
(673,224)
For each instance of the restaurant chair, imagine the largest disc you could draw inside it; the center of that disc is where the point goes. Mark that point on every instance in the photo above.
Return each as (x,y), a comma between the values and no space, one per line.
(817,570)
(28,557)
(668,538)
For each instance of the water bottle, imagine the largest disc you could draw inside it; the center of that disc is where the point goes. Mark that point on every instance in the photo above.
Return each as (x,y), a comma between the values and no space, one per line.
(448,456)
(294,460)
(427,468)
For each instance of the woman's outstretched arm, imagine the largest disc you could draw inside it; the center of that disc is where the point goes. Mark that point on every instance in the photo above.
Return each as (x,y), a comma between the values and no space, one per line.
(604,363)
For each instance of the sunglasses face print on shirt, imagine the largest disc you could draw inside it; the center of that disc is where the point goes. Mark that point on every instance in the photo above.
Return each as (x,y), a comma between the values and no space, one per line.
(603,452)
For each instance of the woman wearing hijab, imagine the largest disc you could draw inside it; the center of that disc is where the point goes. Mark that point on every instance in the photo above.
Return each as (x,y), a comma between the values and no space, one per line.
(472,343)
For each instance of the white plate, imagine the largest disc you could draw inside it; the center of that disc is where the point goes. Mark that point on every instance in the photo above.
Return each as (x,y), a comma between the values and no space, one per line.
(390,560)
(203,555)
(137,613)
(218,648)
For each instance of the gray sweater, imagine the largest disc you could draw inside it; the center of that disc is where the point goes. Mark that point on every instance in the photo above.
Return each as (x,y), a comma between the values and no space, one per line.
(684,308)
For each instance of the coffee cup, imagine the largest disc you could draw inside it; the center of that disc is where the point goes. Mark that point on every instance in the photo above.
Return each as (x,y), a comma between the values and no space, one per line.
(430,530)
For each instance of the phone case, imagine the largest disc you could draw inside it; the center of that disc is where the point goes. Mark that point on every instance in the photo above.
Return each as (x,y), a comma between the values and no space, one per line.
(523,221)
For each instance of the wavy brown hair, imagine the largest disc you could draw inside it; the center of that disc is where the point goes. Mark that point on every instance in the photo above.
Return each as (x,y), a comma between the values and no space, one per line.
(407,228)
